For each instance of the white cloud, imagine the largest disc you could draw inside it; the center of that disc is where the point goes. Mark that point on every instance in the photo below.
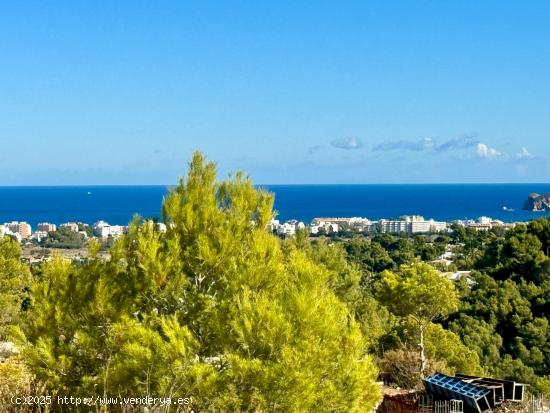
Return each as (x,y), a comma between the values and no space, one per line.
(347,143)
(524,154)
(428,145)
(485,151)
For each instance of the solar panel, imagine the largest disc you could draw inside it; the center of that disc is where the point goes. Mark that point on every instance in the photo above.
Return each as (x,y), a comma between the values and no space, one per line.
(457,385)
(449,388)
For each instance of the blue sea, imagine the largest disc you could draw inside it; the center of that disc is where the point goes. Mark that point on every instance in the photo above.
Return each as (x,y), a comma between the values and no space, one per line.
(118,204)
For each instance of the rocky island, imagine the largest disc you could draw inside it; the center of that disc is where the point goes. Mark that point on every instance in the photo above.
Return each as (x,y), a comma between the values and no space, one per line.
(537,202)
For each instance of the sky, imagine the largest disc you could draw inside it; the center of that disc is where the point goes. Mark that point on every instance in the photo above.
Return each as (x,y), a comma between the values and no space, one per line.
(97,92)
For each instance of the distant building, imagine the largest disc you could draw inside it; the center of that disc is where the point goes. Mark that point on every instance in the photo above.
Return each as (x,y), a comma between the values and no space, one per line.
(103,230)
(39,235)
(117,230)
(73,226)
(289,228)
(353,223)
(323,228)
(394,227)
(484,220)
(371,227)
(459,275)
(286,230)
(21,228)
(3,230)
(414,224)
(333,225)
(46,227)
(485,224)
(273,225)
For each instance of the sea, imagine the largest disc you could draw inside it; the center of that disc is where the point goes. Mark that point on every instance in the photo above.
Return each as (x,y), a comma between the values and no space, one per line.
(118,204)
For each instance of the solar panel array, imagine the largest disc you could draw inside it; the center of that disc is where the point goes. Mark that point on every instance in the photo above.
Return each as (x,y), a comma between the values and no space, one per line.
(457,385)
(453,388)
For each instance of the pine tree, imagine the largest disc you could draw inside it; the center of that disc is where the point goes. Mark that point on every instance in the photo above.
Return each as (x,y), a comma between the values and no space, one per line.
(214,309)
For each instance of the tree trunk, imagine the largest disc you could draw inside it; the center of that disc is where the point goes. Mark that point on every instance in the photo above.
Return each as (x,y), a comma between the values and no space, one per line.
(422,355)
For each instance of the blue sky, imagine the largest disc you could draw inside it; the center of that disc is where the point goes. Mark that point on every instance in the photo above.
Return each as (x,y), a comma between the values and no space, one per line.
(97,92)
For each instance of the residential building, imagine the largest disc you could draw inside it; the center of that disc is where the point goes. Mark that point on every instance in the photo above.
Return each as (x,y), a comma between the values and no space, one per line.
(39,235)
(273,225)
(22,228)
(414,224)
(485,224)
(46,227)
(353,223)
(394,227)
(102,229)
(289,227)
(460,275)
(286,229)
(5,231)
(73,226)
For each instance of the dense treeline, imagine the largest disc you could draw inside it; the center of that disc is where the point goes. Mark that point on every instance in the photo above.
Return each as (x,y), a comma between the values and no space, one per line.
(221,310)
(504,315)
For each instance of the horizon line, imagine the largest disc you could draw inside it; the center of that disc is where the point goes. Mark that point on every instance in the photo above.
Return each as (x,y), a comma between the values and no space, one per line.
(273,184)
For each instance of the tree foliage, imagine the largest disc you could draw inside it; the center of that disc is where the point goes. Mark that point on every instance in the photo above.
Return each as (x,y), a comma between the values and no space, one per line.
(14,278)
(214,308)
(417,290)
(505,315)
(63,238)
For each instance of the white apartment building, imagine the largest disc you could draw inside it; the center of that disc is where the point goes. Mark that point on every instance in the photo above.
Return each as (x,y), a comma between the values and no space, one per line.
(327,227)
(4,230)
(39,235)
(289,227)
(22,228)
(273,225)
(393,227)
(414,224)
(286,229)
(104,230)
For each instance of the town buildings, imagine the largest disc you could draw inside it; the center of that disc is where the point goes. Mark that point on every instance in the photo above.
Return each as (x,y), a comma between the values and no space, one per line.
(288,228)
(485,224)
(326,226)
(332,225)
(405,225)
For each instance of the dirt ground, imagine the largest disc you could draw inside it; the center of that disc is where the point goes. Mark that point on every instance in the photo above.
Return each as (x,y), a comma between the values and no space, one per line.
(36,253)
